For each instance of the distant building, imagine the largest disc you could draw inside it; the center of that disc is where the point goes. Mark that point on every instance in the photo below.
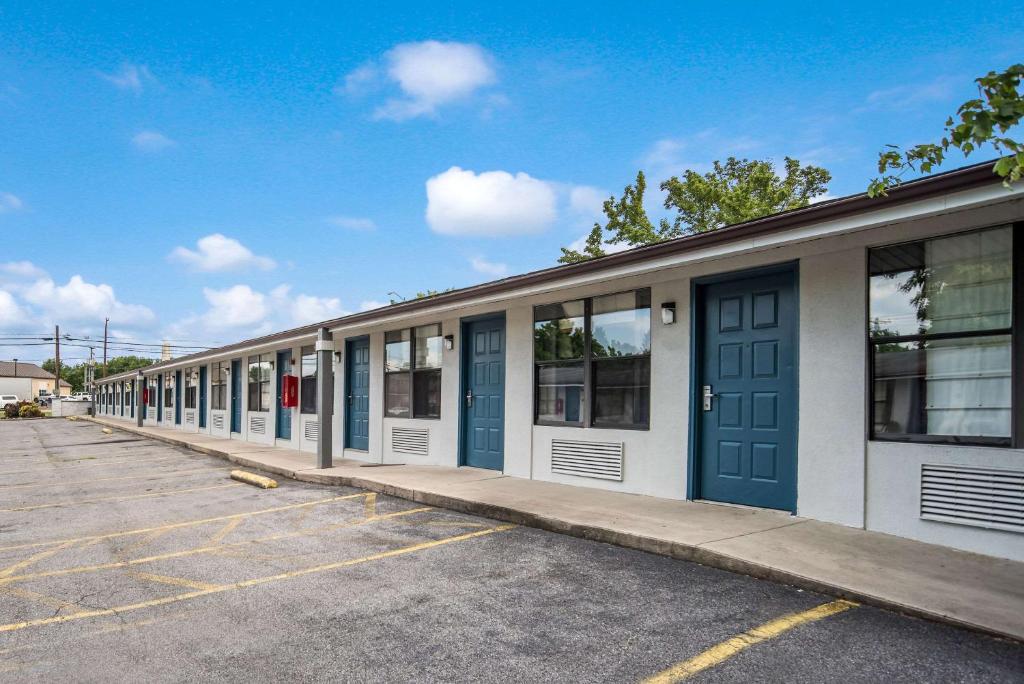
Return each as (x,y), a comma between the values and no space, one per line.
(27,380)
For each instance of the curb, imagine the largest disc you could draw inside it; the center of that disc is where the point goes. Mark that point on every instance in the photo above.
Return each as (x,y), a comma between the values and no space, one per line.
(661,547)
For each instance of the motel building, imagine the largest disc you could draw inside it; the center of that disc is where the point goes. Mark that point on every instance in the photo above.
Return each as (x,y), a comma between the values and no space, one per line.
(858,361)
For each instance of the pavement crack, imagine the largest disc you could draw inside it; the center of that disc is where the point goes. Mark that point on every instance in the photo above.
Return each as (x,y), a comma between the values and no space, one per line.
(747,534)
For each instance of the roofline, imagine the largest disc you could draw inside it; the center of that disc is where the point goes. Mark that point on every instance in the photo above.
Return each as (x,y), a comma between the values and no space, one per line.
(956,180)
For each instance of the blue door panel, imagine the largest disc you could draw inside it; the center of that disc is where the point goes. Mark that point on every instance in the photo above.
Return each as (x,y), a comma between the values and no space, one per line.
(357,395)
(236,395)
(177,398)
(483,441)
(284,415)
(202,396)
(747,440)
(159,398)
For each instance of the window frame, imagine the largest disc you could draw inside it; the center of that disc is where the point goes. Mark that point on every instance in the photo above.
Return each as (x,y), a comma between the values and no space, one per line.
(219,369)
(1015,332)
(303,379)
(412,371)
(588,360)
(269,356)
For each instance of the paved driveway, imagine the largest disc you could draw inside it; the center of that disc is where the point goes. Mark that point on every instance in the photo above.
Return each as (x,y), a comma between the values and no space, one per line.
(124,558)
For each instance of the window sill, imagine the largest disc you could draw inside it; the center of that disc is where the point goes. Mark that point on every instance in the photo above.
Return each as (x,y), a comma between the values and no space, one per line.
(944,440)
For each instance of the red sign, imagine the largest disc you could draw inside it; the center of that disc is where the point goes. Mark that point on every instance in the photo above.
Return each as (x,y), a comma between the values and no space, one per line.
(145,395)
(289,391)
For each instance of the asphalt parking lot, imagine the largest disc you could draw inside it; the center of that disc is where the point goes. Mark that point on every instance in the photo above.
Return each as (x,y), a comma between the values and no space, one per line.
(125,558)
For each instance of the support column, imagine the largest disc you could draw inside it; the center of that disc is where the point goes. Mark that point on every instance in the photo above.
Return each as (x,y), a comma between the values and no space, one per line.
(140,407)
(324,398)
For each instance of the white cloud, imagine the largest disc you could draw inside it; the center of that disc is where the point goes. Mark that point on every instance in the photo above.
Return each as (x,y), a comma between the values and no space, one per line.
(608,248)
(587,201)
(492,203)
(79,300)
(234,307)
(905,97)
(217,252)
(352,222)
(370,304)
(130,77)
(490,268)
(429,74)
(20,272)
(10,312)
(152,141)
(9,202)
(303,308)
(671,156)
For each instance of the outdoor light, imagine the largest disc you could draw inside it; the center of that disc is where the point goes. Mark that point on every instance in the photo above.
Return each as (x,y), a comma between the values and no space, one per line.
(337,357)
(668,313)
(449,342)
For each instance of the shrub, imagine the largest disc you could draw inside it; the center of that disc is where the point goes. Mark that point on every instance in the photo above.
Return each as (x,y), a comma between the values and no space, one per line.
(11,410)
(29,410)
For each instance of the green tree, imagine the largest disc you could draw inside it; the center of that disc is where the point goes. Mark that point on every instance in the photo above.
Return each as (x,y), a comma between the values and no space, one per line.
(984,120)
(627,222)
(736,191)
(740,190)
(122,364)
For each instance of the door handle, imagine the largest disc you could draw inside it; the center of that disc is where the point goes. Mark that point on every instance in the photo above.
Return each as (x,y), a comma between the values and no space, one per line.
(469,397)
(707,395)
(351,399)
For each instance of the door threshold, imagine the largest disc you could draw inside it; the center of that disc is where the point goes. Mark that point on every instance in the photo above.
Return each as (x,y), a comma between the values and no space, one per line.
(747,507)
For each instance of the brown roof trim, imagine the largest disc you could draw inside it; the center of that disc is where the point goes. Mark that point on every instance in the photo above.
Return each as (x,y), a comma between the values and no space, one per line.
(964,178)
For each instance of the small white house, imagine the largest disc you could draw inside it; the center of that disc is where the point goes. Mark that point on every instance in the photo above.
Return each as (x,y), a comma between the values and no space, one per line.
(857,361)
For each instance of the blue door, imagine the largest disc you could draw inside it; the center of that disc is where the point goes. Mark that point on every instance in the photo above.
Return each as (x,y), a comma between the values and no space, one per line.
(357,393)
(160,398)
(177,397)
(483,404)
(202,396)
(747,392)
(284,415)
(236,395)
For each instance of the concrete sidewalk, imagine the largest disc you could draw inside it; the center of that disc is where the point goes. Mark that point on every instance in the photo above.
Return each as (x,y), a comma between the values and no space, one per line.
(965,589)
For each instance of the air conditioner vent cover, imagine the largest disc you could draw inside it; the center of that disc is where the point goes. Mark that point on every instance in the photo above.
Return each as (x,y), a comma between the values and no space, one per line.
(410,441)
(981,497)
(602,460)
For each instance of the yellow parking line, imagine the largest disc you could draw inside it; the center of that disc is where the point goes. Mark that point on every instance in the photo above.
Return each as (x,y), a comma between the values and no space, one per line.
(730,647)
(53,602)
(370,505)
(216,549)
(151,476)
(176,581)
(92,538)
(132,497)
(11,569)
(118,610)
(227,529)
(109,461)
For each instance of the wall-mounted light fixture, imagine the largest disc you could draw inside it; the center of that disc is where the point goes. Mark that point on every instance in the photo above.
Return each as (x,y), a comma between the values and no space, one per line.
(668,313)
(449,342)
(337,357)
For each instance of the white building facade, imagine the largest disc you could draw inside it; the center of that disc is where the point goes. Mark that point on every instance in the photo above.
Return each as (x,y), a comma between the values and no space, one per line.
(856,362)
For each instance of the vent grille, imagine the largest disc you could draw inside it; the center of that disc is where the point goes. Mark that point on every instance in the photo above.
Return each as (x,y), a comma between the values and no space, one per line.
(410,441)
(150,413)
(258,425)
(982,497)
(311,430)
(168,415)
(602,460)
(218,421)
(190,418)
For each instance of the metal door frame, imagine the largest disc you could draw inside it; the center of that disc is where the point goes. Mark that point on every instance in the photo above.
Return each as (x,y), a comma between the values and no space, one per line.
(697,287)
(346,442)
(280,409)
(464,380)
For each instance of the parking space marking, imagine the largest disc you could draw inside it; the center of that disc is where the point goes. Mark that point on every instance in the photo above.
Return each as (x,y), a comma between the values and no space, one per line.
(721,652)
(53,602)
(118,610)
(25,562)
(215,549)
(228,529)
(151,476)
(174,581)
(93,538)
(370,505)
(132,497)
(111,462)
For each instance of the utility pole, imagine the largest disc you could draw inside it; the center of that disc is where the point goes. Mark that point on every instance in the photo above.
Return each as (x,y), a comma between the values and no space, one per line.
(56,354)
(106,322)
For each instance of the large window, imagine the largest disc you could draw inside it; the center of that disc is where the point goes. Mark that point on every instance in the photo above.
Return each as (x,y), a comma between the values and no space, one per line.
(152,392)
(168,391)
(219,386)
(412,372)
(941,336)
(260,374)
(307,385)
(190,387)
(593,361)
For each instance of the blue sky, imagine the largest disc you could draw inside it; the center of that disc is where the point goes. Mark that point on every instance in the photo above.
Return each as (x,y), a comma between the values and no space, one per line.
(194,172)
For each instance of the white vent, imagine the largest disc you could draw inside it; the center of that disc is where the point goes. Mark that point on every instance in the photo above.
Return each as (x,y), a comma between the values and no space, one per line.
(410,440)
(150,413)
(311,430)
(258,425)
(190,418)
(982,497)
(218,421)
(168,415)
(602,460)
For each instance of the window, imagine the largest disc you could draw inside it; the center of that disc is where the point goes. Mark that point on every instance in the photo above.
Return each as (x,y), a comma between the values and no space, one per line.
(598,348)
(152,392)
(190,387)
(412,372)
(168,391)
(941,338)
(219,386)
(259,382)
(307,385)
